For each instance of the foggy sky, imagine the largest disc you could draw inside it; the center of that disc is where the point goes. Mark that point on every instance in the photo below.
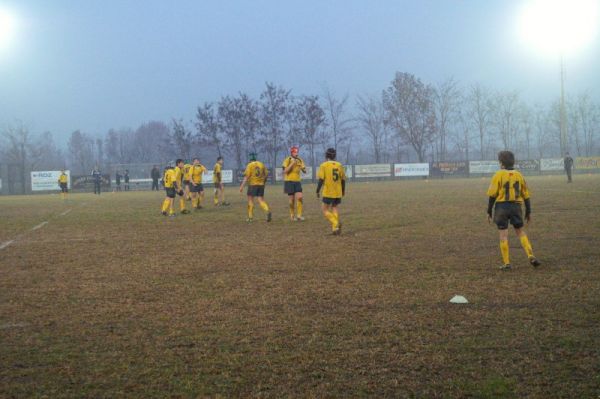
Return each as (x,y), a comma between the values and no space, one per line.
(93,65)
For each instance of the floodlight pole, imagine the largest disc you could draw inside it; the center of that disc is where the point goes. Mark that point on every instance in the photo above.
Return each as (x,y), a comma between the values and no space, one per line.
(563,110)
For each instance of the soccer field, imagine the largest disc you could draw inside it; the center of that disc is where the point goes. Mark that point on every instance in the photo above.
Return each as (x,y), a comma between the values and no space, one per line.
(109,298)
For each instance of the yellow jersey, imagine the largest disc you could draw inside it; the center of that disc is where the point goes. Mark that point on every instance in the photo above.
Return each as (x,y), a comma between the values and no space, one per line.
(170,177)
(63,178)
(508,185)
(178,175)
(187,172)
(217,173)
(257,173)
(294,173)
(332,173)
(196,172)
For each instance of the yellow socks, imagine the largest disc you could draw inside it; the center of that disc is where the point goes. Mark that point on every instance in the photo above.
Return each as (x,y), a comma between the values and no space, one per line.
(165,205)
(299,207)
(526,245)
(250,210)
(332,219)
(216,199)
(291,204)
(181,204)
(504,251)
(264,206)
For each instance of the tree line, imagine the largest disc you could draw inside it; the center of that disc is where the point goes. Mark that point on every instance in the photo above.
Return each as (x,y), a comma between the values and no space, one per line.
(410,120)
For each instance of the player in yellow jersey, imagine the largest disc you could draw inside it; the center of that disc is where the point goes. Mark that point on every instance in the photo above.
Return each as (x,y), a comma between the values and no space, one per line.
(169,179)
(256,175)
(196,187)
(186,181)
(63,182)
(179,174)
(218,182)
(332,178)
(506,193)
(293,166)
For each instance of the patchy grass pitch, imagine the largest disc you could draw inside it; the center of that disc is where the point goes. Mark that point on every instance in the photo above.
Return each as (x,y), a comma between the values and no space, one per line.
(112,299)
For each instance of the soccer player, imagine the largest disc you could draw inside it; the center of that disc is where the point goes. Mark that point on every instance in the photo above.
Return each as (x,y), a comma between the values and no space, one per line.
(186,181)
(256,175)
(179,175)
(63,182)
(292,186)
(169,178)
(218,182)
(97,176)
(196,187)
(332,178)
(506,193)
(568,161)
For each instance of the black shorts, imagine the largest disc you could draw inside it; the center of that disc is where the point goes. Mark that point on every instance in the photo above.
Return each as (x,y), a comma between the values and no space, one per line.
(170,192)
(505,212)
(217,184)
(256,191)
(292,187)
(198,188)
(186,183)
(63,188)
(332,201)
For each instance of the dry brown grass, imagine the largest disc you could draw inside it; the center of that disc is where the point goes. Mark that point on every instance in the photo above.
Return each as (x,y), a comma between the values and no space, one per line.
(113,299)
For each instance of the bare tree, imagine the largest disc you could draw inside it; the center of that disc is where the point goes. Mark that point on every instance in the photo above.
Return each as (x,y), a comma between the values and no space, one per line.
(229,120)
(506,107)
(182,139)
(371,117)
(588,115)
(311,119)
(81,151)
(447,98)
(479,112)
(249,123)
(148,141)
(409,110)
(274,114)
(207,126)
(340,126)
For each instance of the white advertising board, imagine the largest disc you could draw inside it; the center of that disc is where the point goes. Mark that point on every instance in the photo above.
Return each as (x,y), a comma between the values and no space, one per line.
(304,176)
(348,171)
(48,180)
(226,176)
(411,169)
(373,170)
(552,164)
(484,166)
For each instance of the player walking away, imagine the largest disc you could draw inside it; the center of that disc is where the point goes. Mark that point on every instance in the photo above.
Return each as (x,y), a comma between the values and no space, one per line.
(97,176)
(63,182)
(118,180)
(568,167)
(218,182)
(169,178)
(256,175)
(126,179)
(332,178)
(196,187)
(179,185)
(292,185)
(155,175)
(506,193)
(186,181)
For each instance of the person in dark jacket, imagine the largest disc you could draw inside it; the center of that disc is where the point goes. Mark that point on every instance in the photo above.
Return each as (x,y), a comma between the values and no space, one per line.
(97,176)
(568,167)
(155,175)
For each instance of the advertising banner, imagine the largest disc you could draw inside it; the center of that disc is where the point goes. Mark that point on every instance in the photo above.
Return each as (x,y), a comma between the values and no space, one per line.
(486,167)
(373,170)
(47,180)
(411,169)
(86,182)
(587,163)
(531,165)
(449,168)
(548,164)
(348,171)
(304,176)
(226,176)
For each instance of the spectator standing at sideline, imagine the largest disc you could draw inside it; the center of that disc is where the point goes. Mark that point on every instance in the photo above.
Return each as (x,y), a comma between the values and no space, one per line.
(97,176)
(118,180)
(155,175)
(568,167)
(126,179)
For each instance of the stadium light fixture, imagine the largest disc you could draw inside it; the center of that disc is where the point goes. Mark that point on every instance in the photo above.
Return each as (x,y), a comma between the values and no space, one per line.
(8,27)
(559,28)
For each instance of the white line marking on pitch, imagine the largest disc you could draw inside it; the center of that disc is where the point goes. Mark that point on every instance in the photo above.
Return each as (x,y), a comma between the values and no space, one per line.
(65,212)
(6,244)
(39,226)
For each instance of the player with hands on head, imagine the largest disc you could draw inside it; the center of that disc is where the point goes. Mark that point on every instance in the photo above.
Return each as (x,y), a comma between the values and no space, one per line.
(292,167)
(507,191)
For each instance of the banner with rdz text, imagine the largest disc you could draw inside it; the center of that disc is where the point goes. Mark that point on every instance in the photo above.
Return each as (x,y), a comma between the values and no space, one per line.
(48,180)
